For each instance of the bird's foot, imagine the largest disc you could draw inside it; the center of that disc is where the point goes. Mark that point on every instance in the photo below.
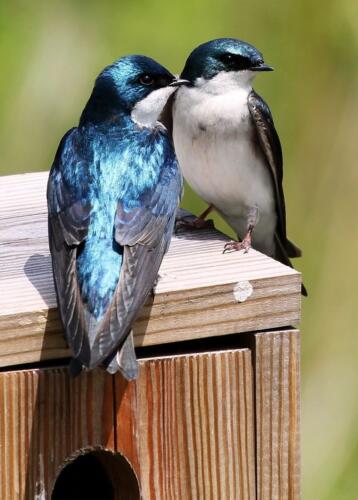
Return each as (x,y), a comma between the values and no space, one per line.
(245,244)
(235,246)
(194,223)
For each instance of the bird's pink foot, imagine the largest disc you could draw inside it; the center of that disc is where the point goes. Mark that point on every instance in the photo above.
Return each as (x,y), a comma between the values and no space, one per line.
(234,246)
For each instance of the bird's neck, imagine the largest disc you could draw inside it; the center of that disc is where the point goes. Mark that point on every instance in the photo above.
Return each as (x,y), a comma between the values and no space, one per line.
(226,82)
(104,108)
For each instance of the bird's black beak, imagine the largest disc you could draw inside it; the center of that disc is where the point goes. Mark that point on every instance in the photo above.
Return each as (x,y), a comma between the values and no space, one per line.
(178,82)
(262,67)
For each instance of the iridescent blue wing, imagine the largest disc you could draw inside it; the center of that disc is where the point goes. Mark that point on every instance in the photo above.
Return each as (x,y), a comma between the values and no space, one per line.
(145,232)
(68,218)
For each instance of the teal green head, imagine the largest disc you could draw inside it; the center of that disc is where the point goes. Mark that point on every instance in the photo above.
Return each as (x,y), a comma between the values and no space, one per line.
(121,85)
(222,55)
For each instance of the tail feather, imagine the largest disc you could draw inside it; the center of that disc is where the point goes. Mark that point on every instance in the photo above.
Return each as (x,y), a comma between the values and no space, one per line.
(292,250)
(75,367)
(282,255)
(124,360)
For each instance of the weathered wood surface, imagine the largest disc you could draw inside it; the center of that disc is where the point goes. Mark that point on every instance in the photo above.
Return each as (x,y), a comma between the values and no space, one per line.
(45,416)
(196,278)
(196,427)
(186,426)
(277,390)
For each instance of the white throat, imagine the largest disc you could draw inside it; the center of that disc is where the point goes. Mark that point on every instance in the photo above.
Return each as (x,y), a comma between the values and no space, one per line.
(147,111)
(219,104)
(226,81)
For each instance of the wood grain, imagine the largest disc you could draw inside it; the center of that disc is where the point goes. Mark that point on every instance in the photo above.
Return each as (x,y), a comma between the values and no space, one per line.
(126,419)
(44,418)
(193,299)
(196,427)
(186,426)
(277,388)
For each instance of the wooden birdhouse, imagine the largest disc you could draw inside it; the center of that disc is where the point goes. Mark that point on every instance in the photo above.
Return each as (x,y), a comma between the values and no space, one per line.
(214,413)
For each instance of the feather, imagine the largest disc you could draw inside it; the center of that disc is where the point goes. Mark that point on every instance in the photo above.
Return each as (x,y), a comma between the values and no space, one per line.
(271,148)
(124,360)
(282,256)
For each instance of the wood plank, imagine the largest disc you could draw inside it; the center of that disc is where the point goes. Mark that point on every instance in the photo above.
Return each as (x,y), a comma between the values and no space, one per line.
(195,279)
(277,387)
(195,427)
(186,426)
(45,416)
(126,416)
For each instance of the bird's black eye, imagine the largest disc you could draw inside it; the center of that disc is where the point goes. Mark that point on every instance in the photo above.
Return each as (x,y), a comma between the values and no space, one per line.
(235,62)
(227,58)
(146,80)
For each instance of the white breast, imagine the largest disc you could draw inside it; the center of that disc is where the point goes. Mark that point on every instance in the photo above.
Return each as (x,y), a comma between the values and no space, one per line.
(213,134)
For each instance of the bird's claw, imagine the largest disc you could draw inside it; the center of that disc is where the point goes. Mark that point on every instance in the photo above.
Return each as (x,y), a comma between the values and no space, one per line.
(196,223)
(235,246)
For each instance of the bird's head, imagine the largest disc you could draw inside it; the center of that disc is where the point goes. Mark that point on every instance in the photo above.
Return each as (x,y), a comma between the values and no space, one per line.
(228,57)
(130,83)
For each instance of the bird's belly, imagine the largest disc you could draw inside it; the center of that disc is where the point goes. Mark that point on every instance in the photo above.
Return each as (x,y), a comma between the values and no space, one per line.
(214,144)
(226,171)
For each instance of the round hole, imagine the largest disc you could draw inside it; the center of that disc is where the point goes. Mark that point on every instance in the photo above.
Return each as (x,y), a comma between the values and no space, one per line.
(96,474)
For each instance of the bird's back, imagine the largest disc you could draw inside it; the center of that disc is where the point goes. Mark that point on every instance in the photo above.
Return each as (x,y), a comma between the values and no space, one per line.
(97,175)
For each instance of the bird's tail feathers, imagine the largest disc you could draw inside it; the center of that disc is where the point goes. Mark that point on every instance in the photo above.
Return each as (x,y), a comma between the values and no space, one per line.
(292,250)
(282,255)
(124,360)
(75,367)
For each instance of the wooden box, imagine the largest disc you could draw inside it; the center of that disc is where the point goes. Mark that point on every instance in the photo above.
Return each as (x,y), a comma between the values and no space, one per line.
(214,413)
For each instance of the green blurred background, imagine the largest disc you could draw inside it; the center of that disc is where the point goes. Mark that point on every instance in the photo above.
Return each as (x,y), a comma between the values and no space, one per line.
(50,53)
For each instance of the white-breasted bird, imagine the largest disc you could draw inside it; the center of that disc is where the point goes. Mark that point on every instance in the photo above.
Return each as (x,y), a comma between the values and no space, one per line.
(228,148)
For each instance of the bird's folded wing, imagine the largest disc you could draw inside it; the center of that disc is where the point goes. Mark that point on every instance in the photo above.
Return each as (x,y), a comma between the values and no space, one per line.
(271,148)
(145,223)
(145,233)
(68,222)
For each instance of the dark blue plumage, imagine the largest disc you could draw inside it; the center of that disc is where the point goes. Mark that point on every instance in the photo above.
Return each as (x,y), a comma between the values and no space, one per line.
(113,192)
(222,54)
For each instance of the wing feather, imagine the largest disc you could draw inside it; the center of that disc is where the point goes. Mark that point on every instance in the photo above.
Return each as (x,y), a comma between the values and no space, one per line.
(145,233)
(67,227)
(271,147)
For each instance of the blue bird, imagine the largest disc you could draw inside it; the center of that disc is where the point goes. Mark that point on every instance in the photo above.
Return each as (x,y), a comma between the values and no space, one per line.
(228,148)
(113,191)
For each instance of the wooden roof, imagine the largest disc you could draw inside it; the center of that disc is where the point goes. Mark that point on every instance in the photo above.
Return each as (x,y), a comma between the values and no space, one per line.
(201,291)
